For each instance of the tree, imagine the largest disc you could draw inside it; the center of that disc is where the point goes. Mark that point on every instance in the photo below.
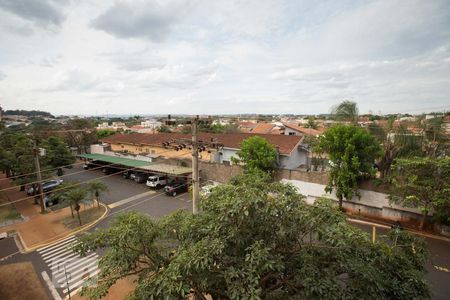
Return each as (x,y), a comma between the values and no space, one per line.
(345,111)
(58,153)
(311,123)
(96,188)
(255,240)
(352,152)
(74,197)
(164,129)
(422,183)
(101,134)
(256,153)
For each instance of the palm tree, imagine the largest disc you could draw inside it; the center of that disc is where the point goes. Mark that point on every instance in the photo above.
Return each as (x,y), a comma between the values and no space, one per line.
(345,111)
(61,192)
(74,197)
(96,188)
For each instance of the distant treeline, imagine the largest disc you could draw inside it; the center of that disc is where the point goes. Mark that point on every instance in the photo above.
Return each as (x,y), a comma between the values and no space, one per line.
(28,113)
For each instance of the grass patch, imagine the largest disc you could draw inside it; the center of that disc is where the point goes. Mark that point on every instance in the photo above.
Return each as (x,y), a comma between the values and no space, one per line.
(8,213)
(20,281)
(87,216)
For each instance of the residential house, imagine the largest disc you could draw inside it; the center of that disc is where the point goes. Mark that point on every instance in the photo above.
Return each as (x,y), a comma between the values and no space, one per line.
(294,129)
(170,145)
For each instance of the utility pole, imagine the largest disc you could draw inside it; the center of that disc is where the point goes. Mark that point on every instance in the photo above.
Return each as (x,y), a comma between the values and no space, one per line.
(38,174)
(195,176)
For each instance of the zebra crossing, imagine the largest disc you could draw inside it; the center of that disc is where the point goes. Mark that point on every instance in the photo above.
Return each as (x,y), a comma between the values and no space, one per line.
(68,270)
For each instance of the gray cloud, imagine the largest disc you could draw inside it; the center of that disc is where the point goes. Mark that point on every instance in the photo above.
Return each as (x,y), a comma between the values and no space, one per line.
(41,12)
(139,20)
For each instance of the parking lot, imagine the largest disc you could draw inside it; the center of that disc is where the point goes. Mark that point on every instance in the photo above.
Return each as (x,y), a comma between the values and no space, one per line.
(126,195)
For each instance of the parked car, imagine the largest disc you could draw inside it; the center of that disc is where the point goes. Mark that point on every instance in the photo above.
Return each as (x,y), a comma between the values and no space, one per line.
(157,181)
(141,177)
(51,199)
(128,175)
(89,165)
(111,170)
(176,188)
(47,186)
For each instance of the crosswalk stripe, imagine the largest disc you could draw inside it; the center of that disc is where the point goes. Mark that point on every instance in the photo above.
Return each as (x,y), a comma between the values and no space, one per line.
(61,252)
(76,263)
(80,274)
(62,260)
(79,283)
(57,261)
(56,247)
(49,247)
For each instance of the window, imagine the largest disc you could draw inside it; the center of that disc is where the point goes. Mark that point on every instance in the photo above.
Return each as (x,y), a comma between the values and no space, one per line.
(147,150)
(226,162)
(291,133)
(153,151)
(122,146)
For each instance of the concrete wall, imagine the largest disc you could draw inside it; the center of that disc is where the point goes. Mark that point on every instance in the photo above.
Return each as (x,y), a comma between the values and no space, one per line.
(289,131)
(371,204)
(218,172)
(315,177)
(293,161)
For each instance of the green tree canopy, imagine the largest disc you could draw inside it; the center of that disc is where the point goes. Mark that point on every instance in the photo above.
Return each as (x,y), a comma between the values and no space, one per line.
(345,111)
(256,153)
(423,183)
(58,153)
(256,240)
(352,152)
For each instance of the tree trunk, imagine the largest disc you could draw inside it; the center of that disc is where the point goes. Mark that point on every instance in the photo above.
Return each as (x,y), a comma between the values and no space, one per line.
(422,221)
(98,201)
(78,215)
(340,203)
(71,210)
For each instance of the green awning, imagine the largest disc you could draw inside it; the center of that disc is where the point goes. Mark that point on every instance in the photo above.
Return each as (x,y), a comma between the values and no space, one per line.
(117,160)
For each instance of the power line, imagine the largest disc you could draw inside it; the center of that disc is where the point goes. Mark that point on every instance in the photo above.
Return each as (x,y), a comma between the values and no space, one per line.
(42,171)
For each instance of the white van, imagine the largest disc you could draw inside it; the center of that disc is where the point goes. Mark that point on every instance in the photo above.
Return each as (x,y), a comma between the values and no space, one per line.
(157,181)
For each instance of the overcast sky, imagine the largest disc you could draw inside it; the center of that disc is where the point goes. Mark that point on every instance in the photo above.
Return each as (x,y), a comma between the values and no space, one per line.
(208,57)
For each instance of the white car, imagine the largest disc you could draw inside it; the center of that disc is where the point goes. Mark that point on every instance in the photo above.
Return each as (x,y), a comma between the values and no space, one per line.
(157,181)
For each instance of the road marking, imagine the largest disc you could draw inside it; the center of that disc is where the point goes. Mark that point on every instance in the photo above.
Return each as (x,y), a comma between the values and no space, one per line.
(127,200)
(443,269)
(120,210)
(68,270)
(50,285)
(47,248)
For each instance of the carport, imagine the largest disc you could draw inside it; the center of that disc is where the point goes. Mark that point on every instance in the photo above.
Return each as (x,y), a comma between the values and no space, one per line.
(158,168)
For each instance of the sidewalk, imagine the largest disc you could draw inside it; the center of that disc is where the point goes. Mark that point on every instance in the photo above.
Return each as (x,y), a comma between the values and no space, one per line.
(37,229)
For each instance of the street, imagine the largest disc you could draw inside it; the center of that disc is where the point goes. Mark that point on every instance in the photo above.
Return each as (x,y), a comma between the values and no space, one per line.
(125,195)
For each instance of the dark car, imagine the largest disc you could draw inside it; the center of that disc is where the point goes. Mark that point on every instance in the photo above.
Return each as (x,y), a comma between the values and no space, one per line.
(176,188)
(128,175)
(47,186)
(141,177)
(111,170)
(51,199)
(90,164)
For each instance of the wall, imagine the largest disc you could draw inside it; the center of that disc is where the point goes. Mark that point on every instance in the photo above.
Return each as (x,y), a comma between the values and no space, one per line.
(293,161)
(289,131)
(218,172)
(315,177)
(371,204)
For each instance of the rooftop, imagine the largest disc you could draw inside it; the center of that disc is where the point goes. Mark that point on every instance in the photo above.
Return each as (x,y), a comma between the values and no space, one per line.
(284,143)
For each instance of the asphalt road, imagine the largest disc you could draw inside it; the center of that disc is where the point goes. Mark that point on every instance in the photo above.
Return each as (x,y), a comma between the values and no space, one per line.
(438,279)
(140,198)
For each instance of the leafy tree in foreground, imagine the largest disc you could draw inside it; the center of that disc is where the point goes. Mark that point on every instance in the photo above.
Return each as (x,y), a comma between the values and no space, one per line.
(255,240)
(352,152)
(256,153)
(423,183)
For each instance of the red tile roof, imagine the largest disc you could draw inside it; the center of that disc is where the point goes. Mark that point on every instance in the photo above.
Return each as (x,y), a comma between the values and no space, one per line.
(305,131)
(285,143)
(263,128)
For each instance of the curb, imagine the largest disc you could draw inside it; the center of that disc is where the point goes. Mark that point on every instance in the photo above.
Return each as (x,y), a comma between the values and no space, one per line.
(431,236)
(66,235)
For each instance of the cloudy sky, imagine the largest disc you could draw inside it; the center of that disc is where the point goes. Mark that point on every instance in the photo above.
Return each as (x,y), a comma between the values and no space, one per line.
(207,57)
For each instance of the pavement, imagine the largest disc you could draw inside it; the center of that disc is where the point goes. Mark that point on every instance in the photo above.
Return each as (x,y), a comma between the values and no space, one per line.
(126,195)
